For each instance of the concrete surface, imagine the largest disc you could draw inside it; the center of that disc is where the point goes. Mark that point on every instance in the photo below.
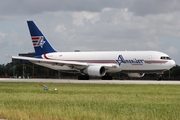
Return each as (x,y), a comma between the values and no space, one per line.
(89,81)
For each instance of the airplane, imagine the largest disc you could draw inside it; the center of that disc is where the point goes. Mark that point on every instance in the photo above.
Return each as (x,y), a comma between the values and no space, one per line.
(96,63)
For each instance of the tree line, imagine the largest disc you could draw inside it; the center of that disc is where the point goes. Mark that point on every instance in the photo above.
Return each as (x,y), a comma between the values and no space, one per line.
(30,70)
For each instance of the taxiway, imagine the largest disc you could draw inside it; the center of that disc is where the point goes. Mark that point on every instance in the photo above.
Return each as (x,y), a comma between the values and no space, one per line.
(89,81)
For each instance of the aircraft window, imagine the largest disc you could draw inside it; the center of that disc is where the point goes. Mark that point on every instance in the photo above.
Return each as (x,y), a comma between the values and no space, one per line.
(162,57)
(168,58)
(165,58)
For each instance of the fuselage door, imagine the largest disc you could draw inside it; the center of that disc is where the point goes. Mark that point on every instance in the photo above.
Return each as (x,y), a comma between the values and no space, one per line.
(149,57)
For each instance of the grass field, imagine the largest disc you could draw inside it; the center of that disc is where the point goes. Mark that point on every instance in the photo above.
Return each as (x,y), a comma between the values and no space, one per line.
(28,101)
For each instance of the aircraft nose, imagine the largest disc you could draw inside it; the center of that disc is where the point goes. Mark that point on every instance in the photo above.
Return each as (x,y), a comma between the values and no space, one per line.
(172,63)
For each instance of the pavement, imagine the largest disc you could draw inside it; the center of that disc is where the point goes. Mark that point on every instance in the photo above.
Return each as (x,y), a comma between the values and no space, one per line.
(94,81)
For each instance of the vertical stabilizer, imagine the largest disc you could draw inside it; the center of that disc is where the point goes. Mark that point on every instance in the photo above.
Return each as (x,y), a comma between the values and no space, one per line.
(40,43)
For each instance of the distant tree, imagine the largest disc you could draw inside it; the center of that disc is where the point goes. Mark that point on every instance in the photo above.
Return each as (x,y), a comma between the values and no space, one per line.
(9,69)
(173,72)
(2,70)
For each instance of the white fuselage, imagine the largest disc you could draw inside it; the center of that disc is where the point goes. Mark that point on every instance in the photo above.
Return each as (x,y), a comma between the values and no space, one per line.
(125,61)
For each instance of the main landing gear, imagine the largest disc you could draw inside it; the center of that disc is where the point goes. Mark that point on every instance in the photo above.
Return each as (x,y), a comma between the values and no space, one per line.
(86,77)
(106,77)
(83,77)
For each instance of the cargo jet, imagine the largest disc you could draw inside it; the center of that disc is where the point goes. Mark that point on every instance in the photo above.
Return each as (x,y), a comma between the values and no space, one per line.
(100,63)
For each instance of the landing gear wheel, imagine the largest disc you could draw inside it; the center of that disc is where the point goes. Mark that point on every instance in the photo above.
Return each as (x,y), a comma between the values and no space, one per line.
(83,77)
(106,77)
(159,78)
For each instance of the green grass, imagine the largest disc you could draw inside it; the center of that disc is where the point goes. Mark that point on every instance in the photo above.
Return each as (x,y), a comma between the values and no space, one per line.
(28,101)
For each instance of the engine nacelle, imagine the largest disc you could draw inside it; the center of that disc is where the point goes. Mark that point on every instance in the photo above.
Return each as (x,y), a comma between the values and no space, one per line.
(95,71)
(137,75)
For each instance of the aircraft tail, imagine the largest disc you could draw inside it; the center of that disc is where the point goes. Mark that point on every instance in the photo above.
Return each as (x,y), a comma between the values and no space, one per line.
(40,43)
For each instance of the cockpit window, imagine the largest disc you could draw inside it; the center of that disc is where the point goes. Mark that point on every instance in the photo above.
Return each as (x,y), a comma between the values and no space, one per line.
(165,58)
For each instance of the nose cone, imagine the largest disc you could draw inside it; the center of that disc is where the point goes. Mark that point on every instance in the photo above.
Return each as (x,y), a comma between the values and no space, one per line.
(172,63)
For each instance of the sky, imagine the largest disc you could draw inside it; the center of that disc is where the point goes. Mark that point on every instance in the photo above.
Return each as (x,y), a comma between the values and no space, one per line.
(92,25)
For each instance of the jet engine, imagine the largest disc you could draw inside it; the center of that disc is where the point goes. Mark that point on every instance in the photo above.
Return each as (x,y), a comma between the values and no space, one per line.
(137,75)
(95,71)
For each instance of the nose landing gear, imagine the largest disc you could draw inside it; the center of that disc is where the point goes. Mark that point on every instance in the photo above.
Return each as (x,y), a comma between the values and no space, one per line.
(159,77)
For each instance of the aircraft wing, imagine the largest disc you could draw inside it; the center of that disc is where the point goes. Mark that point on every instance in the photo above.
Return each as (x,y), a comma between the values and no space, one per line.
(72,64)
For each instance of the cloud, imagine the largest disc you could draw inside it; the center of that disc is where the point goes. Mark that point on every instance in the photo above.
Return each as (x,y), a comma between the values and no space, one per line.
(146,7)
(60,28)
(2,36)
(81,17)
(172,50)
(137,7)
(31,7)
(92,25)
(153,44)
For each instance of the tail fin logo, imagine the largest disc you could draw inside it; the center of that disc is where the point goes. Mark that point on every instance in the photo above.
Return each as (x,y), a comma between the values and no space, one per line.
(38,41)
